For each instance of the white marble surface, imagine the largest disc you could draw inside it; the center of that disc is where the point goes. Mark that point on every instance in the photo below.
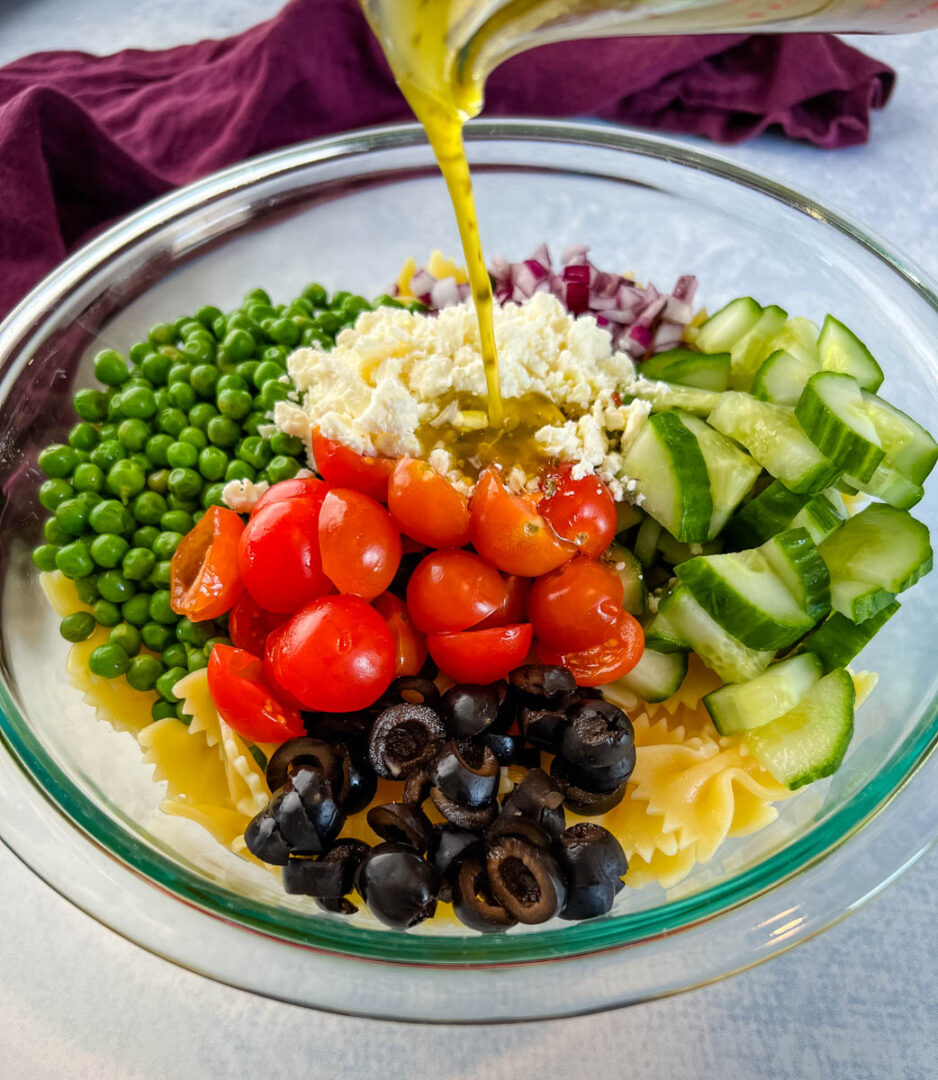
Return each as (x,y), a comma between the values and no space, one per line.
(76,1001)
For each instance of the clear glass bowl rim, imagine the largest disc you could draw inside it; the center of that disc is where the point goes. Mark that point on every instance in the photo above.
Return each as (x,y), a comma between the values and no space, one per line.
(350,940)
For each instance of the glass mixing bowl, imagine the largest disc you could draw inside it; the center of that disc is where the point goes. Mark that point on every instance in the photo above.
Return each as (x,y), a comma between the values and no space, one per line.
(78,805)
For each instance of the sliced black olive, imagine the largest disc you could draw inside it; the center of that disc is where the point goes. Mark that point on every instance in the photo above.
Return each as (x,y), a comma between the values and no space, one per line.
(305,875)
(581,801)
(466,772)
(342,906)
(598,734)
(540,797)
(416,788)
(333,726)
(358,783)
(289,756)
(399,886)
(264,839)
(411,690)
(541,685)
(525,879)
(543,728)
(446,846)
(510,750)
(404,737)
(594,863)
(473,900)
(524,828)
(466,817)
(599,777)
(306,812)
(468,710)
(401,823)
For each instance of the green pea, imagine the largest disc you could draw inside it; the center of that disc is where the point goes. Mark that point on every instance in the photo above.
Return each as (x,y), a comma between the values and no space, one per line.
(108,431)
(195,658)
(207,315)
(174,502)
(314,338)
(179,521)
(89,499)
(87,588)
(155,636)
(290,445)
(282,468)
(143,671)
(329,322)
(83,436)
(155,366)
(212,463)
(149,507)
(316,295)
(203,378)
(246,369)
(158,481)
(162,710)
(232,382)
(174,655)
(299,306)
(255,451)
(194,633)
(353,306)
(212,496)
(266,371)
(162,334)
(136,610)
(271,393)
(139,351)
(91,405)
(125,479)
(258,310)
(386,301)
(194,435)
(145,535)
(88,477)
(114,411)
(115,587)
(223,431)
(181,455)
(138,402)
(239,470)
(127,637)
(339,298)
(142,461)
(238,343)
(183,395)
(107,453)
(166,543)
(197,516)
(44,557)
(133,434)
(106,613)
(276,354)
(161,609)
(108,550)
(285,332)
(254,421)
(183,323)
(156,447)
(172,421)
(77,627)
(199,349)
(178,373)
(138,563)
(72,515)
(166,682)
(185,483)
(54,533)
(110,367)
(58,460)
(201,413)
(108,661)
(220,327)
(74,560)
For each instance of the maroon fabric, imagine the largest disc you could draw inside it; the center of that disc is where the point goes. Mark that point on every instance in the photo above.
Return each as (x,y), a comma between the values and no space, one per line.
(85,139)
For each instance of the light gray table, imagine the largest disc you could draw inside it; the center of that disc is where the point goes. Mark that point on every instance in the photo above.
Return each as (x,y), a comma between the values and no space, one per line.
(76,1001)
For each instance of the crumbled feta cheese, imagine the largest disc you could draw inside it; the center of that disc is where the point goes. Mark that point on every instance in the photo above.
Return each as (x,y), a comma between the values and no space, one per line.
(242,495)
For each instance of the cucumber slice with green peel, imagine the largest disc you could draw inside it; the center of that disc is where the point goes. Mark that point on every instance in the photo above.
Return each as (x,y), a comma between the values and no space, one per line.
(730,324)
(775,440)
(891,486)
(908,447)
(629,569)
(794,556)
(799,336)
(732,472)
(743,594)
(706,371)
(841,350)
(674,552)
(720,651)
(656,676)
(664,396)
(743,706)
(831,412)
(646,542)
(781,378)
(819,516)
(810,741)
(881,546)
(660,633)
(748,353)
(858,601)
(838,639)
(627,516)
(669,470)
(771,511)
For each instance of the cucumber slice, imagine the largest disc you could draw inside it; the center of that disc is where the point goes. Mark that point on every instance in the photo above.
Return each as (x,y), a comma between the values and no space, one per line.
(748,353)
(909,448)
(882,546)
(810,740)
(819,516)
(838,640)
(719,650)
(841,350)
(776,441)
(669,470)
(661,634)
(732,472)
(706,371)
(656,676)
(674,552)
(799,337)
(629,569)
(731,323)
(646,542)
(665,395)
(771,511)
(743,594)
(891,486)
(627,515)
(794,556)
(858,600)
(781,378)
(742,706)
(831,412)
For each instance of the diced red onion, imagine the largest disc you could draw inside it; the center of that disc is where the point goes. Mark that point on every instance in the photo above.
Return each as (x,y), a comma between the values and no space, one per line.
(445,293)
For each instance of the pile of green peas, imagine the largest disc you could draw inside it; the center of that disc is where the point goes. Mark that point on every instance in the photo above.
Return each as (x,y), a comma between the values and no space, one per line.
(177,418)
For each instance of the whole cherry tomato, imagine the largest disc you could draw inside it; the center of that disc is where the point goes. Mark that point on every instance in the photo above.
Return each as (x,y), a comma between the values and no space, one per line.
(508,530)
(481,656)
(359,544)
(278,555)
(581,511)
(298,487)
(453,590)
(426,506)
(204,581)
(410,644)
(341,467)
(514,608)
(577,605)
(249,625)
(336,654)
(612,658)
(244,700)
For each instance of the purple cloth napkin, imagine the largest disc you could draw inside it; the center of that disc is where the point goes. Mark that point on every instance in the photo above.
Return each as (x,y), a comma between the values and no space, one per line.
(85,139)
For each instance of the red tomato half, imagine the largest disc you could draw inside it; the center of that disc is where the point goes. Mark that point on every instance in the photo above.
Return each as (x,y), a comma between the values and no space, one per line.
(303,487)
(426,506)
(508,531)
(204,581)
(359,544)
(581,511)
(249,625)
(245,701)
(334,655)
(341,467)
(576,606)
(514,608)
(453,590)
(481,656)
(279,555)
(603,663)
(410,644)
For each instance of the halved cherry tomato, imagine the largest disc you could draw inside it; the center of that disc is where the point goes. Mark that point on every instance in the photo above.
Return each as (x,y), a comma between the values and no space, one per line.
(359,544)
(245,701)
(481,656)
(204,581)
(249,625)
(278,555)
(341,467)
(426,506)
(602,663)
(410,644)
(334,655)
(298,487)
(581,511)
(453,590)
(514,608)
(508,531)
(577,605)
